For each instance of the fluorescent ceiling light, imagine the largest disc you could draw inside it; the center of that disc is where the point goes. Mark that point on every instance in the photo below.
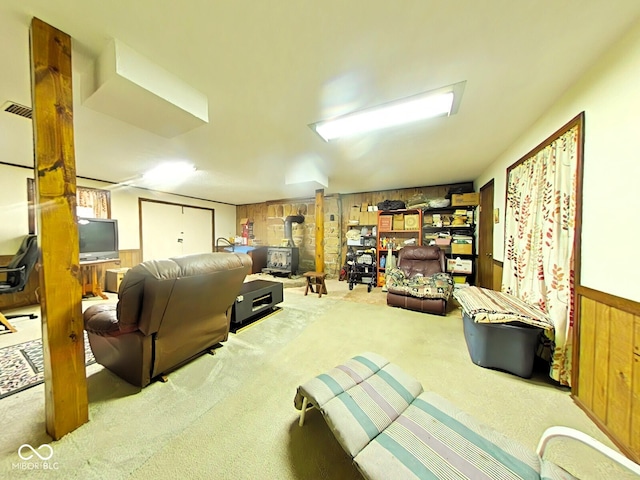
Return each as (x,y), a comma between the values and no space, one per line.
(174,171)
(435,103)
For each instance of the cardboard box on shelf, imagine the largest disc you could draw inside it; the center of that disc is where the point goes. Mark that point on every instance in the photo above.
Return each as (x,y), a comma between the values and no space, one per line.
(364,207)
(457,265)
(398,221)
(373,217)
(412,221)
(385,222)
(354,215)
(462,249)
(465,199)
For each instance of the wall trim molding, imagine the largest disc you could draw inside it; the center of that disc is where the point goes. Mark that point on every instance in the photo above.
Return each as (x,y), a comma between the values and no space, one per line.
(620,303)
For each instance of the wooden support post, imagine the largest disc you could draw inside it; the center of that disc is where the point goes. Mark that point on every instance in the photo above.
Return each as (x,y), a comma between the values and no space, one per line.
(319,230)
(66,403)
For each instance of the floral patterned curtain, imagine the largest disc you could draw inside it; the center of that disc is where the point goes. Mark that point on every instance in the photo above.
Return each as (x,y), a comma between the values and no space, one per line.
(99,201)
(540,222)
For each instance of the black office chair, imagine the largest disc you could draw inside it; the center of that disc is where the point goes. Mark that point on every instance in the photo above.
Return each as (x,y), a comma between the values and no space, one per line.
(17,274)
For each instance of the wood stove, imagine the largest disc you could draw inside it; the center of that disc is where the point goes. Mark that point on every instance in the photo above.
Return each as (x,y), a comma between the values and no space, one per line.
(282,260)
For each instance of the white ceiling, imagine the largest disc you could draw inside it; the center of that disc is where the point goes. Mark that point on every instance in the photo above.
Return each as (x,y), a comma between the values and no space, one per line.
(271,68)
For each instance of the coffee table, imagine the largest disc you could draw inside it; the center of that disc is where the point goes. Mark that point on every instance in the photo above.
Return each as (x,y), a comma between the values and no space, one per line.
(256,298)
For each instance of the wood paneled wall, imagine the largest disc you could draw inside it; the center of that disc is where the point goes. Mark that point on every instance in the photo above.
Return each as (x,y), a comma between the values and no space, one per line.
(129,258)
(259,213)
(607,357)
(19,299)
(29,296)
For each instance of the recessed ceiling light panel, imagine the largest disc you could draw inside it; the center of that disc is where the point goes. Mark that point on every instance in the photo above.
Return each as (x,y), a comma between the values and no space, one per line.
(435,103)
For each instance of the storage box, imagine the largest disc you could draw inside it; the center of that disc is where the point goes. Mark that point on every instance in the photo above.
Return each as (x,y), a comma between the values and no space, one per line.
(461,249)
(443,241)
(364,207)
(465,199)
(373,217)
(354,214)
(114,278)
(385,223)
(505,346)
(398,222)
(411,222)
(456,265)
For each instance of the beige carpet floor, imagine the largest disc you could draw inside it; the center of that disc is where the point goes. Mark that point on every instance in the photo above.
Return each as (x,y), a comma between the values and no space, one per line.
(231,415)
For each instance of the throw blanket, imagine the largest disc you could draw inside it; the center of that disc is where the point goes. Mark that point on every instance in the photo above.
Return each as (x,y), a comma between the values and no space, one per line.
(438,285)
(489,306)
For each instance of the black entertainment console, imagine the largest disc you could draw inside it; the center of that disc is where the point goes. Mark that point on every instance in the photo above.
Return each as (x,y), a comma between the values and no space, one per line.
(256,298)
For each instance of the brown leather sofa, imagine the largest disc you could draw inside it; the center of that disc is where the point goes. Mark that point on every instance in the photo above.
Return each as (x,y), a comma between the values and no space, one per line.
(420,282)
(168,312)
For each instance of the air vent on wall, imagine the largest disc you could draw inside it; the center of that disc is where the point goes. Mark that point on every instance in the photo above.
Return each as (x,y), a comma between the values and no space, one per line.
(17,109)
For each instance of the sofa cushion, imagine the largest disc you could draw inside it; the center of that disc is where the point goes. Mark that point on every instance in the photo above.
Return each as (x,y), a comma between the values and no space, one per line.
(420,260)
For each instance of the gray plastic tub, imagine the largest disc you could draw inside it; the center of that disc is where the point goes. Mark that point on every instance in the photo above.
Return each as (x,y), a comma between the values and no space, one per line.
(504,346)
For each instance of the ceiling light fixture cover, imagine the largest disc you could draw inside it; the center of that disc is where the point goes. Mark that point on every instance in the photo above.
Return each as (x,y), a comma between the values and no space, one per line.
(435,103)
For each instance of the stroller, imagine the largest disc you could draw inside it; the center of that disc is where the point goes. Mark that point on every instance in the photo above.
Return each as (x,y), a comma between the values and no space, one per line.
(362,268)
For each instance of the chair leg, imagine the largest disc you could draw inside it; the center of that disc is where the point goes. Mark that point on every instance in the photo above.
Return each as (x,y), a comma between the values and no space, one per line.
(303,411)
(6,324)
(323,288)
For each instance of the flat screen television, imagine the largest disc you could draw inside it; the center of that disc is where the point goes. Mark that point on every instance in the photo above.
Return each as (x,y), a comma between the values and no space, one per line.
(98,239)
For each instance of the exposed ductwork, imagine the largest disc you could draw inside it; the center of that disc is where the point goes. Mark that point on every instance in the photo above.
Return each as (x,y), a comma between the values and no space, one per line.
(288,234)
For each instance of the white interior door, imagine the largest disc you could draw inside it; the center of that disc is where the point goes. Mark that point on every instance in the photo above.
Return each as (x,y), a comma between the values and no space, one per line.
(161,226)
(197,230)
(170,230)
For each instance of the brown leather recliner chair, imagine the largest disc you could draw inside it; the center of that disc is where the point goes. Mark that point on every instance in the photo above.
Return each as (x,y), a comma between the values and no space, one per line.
(420,282)
(168,312)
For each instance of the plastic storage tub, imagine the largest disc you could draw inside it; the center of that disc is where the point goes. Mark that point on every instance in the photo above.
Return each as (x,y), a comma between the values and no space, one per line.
(505,346)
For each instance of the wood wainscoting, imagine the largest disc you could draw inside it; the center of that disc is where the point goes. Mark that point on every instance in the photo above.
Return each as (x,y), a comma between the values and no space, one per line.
(606,382)
(20,299)
(130,258)
(29,296)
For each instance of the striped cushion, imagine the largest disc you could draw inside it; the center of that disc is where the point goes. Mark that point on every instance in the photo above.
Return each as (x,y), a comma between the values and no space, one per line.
(489,306)
(321,389)
(434,439)
(357,415)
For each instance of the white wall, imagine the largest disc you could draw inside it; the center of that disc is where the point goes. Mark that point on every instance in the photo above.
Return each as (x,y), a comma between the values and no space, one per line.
(124,207)
(609,95)
(14,211)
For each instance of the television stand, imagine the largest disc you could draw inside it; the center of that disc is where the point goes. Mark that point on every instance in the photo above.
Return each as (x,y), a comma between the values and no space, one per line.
(92,274)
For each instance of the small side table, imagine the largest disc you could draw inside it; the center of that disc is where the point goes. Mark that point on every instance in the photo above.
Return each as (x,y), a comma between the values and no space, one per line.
(316,279)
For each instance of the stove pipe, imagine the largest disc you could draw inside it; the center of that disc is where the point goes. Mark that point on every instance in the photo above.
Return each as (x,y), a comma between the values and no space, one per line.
(287,227)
